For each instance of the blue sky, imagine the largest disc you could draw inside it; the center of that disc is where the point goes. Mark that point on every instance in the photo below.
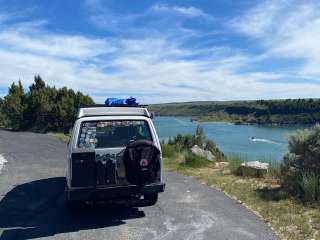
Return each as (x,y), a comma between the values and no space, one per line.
(164,51)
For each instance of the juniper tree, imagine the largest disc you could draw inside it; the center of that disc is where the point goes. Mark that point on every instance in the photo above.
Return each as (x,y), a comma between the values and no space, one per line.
(13,106)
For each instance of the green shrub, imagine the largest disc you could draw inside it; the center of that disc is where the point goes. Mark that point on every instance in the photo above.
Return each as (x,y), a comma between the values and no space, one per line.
(303,158)
(168,151)
(195,161)
(252,172)
(200,137)
(235,164)
(182,143)
(290,176)
(310,186)
(212,147)
(187,141)
(274,170)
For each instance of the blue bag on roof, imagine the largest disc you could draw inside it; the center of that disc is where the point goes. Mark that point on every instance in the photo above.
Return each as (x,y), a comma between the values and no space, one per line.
(121,102)
(131,101)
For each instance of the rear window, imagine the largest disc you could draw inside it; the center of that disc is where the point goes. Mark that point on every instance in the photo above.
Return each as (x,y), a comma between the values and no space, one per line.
(109,134)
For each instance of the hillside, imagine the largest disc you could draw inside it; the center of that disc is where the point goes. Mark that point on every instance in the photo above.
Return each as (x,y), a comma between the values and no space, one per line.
(289,111)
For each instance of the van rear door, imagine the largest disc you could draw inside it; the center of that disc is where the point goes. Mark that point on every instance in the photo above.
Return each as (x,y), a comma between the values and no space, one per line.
(83,169)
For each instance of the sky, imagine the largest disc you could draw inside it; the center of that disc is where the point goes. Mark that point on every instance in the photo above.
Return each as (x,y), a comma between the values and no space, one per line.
(164,51)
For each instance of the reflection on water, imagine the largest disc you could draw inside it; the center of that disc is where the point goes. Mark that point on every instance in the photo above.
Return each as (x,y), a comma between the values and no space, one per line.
(250,142)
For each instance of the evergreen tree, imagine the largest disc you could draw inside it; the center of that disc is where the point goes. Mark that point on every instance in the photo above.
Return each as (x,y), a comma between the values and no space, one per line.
(42,108)
(40,101)
(3,119)
(13,106)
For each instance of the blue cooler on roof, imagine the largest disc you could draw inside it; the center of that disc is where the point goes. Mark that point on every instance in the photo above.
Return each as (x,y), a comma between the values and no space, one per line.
(116,102)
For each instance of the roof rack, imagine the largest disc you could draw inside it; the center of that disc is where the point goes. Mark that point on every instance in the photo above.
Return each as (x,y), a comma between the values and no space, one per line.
(99,110)
(104,105)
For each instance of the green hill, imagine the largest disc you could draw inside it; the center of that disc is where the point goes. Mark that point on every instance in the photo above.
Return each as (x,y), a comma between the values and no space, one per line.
(288,111)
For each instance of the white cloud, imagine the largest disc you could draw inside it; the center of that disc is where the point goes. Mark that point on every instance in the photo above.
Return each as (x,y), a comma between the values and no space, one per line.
(67,46)
(153,73)
(155,68)
(155,18)
(185,11)
(286,29)
(260,20)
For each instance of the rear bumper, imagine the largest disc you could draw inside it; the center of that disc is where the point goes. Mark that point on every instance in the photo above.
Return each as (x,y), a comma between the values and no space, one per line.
(110,193)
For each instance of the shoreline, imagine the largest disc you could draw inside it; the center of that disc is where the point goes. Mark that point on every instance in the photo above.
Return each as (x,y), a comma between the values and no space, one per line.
(204,120)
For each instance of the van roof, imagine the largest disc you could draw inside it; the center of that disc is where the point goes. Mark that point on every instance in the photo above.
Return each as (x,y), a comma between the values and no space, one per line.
(112,111)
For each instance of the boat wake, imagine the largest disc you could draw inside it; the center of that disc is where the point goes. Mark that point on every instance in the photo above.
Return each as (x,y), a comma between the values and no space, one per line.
(263,140)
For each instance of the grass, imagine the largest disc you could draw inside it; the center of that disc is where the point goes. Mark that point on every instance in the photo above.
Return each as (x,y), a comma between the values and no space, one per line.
(235,165)
(194,161)
(63,137)
(288,217)
(168,151)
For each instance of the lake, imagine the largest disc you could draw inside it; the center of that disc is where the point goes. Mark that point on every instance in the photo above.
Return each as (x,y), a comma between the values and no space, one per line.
(251,142)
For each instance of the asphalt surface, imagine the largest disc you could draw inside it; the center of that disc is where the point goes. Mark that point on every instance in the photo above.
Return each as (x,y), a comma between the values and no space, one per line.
(32,203)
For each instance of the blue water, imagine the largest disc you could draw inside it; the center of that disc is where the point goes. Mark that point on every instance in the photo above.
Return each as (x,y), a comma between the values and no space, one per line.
(269,143)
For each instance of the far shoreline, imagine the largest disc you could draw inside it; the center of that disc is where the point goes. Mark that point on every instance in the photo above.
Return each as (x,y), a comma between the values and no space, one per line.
(195,119)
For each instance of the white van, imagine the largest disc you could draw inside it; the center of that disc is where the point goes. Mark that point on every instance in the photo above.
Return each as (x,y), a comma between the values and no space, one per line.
(114,154)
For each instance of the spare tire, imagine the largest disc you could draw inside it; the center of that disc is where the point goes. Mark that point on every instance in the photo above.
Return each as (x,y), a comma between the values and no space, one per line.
(142,162)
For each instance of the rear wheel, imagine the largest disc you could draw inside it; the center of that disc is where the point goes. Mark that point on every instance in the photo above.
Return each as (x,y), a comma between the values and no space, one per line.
(151,199)
(74,205)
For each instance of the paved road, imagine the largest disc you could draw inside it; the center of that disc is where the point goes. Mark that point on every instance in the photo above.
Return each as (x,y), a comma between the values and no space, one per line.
(32,203)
